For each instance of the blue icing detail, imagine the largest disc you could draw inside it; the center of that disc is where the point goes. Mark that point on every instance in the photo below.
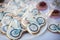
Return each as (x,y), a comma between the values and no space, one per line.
(58,27)
(40,20)
(2,14)
(5,28)
(34,11)
(15,32)
(54,27)
(33,27)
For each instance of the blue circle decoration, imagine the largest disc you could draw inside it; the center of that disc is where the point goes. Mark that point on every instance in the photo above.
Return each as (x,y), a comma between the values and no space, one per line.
(40,20)
(33,27)
(15,32)
(5,30)
(53,27)
(34,11)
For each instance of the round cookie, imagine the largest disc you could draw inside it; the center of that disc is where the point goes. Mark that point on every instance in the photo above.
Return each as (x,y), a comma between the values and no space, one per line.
(33,28)
(53,27)
(21,12)
(15,29)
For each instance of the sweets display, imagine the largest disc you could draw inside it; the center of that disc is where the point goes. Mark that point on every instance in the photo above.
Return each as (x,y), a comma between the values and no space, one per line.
(23,19)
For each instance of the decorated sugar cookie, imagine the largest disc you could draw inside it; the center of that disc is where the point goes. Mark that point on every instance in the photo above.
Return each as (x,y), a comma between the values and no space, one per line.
(34,28)
(33,20)
(54,28)
(15,5)
(2,14)
(15,29)
(5,23)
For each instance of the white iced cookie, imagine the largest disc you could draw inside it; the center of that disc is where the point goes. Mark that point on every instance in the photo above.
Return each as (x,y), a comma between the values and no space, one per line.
(33,21)
(15,30)
(54,28)
(2,13)
(29,14)
(33,28)
(17,7)
(5,23)
(21,12)
(14,5)
(36,25)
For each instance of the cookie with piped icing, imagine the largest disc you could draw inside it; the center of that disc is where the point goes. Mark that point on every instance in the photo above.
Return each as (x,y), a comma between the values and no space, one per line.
(15,30)
(33,20)
(53,26)
(5,23)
